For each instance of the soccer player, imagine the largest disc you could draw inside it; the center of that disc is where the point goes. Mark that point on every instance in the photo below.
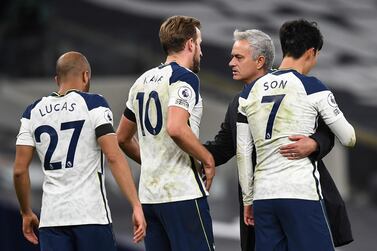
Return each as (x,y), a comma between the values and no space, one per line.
(70,130)
(252,56)
(165,107)
(283,195)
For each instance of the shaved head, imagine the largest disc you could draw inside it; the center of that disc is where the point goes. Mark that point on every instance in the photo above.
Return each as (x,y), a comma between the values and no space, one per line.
(71,65)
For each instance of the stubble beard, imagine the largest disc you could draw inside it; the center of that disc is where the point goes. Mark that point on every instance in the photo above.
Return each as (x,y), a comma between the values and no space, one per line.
(195,62)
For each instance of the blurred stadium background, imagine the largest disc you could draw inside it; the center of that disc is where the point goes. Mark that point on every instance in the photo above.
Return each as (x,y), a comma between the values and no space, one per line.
(120,39)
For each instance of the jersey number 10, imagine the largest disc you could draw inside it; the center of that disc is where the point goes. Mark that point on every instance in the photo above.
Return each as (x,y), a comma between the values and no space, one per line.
(146,122)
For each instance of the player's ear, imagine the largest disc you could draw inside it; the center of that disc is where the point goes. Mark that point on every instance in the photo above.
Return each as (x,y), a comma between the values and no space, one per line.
(190,44)
(86,81)
(86,77)
(57,80)
(260,62)
(309,53)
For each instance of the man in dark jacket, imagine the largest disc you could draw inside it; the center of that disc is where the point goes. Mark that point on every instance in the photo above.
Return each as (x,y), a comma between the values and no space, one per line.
(252,56)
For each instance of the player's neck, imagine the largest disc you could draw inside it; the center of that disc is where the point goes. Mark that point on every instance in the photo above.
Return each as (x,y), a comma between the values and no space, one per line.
(179,59)
(292,63)
(66,87)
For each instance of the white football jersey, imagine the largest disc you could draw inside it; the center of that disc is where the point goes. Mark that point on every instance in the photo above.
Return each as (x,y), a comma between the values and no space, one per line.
(276,106)
(167,172)
(64,132)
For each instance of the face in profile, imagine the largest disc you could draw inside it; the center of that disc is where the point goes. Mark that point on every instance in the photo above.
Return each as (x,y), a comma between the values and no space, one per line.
(197,52)
(244,67)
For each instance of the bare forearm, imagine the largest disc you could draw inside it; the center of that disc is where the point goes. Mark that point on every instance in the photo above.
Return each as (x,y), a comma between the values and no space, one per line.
(189,143)
(21,179)
(123,177)
(119,167)
(22,187)
(127,140)
(131,149)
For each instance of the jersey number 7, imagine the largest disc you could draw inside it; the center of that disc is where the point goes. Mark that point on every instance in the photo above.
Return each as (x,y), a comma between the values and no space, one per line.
(276,99)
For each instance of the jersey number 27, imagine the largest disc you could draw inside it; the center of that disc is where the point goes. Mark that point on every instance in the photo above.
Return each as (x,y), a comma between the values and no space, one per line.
(76,126)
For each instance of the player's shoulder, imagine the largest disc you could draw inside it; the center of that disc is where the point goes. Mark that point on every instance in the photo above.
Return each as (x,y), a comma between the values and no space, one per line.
(93,100)
(311,84)
(180,73)
(27,113)
(248,87)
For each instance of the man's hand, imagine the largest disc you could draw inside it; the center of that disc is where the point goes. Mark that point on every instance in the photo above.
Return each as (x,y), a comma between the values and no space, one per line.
(140,224)
(29,223)
(248,215)
(209,171)
(301,148)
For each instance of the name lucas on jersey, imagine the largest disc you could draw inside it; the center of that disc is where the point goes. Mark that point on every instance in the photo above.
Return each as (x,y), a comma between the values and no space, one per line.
(274,84)
(57,107)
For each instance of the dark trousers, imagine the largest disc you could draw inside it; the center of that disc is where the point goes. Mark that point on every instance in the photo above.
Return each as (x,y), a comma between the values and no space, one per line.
(179,226)
(91,237)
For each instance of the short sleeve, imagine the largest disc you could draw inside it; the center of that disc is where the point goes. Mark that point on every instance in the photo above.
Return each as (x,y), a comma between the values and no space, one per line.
(100,116)
(129,102)
(184,88)
(99,110)
(25,136)
(182,95)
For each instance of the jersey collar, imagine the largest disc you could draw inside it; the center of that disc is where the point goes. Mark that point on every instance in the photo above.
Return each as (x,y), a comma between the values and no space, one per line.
(56,94)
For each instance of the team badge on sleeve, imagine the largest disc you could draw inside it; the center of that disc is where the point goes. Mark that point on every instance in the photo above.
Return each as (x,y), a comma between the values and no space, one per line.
(331,100)
(184,93)
(108,116)
(185,96)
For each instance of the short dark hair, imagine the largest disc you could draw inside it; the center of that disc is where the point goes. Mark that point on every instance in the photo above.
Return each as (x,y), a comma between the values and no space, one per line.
(298,36)
(176,30)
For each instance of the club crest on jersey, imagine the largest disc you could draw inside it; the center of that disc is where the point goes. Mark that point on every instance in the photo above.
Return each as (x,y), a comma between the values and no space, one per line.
(108,116)
(184,93)
(331,100)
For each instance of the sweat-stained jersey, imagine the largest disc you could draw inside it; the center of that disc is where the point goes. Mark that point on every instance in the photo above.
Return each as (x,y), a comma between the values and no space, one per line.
(276,106)
(167,173)
(64,132)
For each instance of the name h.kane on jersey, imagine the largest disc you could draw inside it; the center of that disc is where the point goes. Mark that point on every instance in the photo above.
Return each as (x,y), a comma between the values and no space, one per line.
(49,108)
(155,79)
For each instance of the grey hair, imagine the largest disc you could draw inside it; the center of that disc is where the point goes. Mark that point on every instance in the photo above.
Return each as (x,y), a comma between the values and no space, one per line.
(260,42)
